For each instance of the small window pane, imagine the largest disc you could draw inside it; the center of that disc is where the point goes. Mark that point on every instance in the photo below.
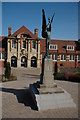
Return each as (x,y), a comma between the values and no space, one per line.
(0,55)
(78,57)
(3,55)
(24,44)
(54,56)
(50,46)
(34,44)
(63,57)
(72,57)
(13,43)
(55,47)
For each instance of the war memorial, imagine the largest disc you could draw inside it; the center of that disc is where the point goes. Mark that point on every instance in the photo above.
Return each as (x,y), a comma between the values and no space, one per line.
(45,92)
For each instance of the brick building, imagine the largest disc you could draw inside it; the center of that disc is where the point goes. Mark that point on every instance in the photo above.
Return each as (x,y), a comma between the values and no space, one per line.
(25,49)
(65,53)
(3,49)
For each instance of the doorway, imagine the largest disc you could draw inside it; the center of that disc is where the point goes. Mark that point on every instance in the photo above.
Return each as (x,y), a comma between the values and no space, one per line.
(13,61)
(33,61)
(23,61)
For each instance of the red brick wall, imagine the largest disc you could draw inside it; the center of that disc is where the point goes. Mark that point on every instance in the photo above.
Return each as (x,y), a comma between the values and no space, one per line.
(1,64)
(66,64)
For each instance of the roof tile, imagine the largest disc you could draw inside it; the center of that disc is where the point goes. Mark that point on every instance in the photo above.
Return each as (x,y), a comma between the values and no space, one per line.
(23,29)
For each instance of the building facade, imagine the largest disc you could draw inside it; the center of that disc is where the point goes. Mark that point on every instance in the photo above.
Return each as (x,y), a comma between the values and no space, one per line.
(25,49)
(65,53)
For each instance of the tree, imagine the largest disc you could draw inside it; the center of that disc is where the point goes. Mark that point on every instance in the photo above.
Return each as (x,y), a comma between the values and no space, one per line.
(7,70)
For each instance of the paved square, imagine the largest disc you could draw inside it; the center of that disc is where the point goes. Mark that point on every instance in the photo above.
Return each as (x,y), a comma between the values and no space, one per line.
(17,102)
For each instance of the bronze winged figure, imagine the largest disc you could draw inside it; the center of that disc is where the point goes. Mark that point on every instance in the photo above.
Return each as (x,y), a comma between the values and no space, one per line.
(46,30)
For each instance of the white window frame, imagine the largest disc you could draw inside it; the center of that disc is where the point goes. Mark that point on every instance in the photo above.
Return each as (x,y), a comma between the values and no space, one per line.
(71,57)
(70,46)
(78,57)
(22,44)
(1,56)
(63,57)
(53,45)
(54,57)
(12,44)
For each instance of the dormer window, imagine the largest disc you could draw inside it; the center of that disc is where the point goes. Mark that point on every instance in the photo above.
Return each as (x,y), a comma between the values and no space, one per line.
(52,47)
(70,47)
(14,43)
(24,44)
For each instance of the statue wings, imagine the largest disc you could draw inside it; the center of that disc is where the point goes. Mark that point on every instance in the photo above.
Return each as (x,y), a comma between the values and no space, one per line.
(44,33)
(43,24)
(52,17)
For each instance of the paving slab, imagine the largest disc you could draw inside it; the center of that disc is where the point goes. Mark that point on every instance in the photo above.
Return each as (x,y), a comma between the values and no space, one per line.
(17,102)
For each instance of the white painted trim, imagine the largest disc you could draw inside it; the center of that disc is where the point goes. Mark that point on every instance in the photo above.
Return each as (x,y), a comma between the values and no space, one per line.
(77,58)
(53,45)
(54,60)
(62,60)
(70,46)
(72,60)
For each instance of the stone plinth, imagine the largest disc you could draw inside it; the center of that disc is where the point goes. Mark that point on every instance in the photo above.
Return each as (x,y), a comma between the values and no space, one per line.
(51,100)
(46,94)
(48,72)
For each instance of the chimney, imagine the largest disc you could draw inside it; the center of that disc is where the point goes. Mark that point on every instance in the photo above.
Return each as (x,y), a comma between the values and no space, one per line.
(9,31)
(36,32)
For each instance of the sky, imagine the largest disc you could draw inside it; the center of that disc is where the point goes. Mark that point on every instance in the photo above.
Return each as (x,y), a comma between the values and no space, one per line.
(65,22)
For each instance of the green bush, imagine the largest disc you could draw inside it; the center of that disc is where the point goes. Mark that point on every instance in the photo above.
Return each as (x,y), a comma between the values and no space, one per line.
(11,78)
(7,70)
(68,76)
(76,72)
